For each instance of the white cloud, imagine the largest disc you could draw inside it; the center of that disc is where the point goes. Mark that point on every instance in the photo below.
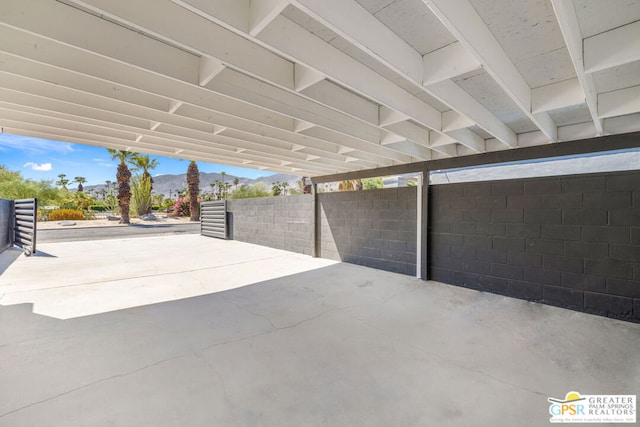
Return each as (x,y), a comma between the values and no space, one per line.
(43,167)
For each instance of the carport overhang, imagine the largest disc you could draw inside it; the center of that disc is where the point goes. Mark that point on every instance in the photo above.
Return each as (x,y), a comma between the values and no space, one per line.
(324,88)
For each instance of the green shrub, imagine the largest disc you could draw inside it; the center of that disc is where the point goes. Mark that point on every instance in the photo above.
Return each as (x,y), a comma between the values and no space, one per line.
(111,202)
(98,208)
(250,191)
(372,183)
(167,204)
(14,186)
(141,199)
(66,214)
(69,206)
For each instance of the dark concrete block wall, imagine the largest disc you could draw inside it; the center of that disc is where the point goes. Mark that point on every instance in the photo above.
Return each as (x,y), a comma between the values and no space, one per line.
(571,241)
(6,224)
(374,228)
(278,222)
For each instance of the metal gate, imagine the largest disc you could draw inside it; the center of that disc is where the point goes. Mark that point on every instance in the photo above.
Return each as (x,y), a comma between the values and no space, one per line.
(213,219)
(6,224)
(24,230)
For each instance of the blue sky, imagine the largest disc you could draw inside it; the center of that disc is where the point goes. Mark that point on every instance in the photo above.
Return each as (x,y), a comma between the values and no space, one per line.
(46,159)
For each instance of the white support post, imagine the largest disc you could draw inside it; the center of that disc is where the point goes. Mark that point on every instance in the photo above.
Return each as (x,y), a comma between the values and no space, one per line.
(419,227)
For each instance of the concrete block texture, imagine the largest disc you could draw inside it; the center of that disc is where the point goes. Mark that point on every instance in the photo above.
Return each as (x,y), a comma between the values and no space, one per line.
(543,186)
(564,297)
(609,305)
(374,228)
(627,181)
(570,241)
(277,222)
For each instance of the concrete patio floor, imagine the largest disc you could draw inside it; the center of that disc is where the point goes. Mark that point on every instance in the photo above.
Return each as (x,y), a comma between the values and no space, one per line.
(188,330)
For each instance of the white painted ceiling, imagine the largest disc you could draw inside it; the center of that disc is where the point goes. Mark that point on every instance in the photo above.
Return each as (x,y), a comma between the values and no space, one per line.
(316,87)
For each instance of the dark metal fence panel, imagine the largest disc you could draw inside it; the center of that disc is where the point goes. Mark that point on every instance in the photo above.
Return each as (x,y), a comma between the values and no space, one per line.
(6,224)
(213,219)
(26,214)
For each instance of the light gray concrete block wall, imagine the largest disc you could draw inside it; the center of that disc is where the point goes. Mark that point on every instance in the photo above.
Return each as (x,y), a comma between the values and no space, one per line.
(6,223)
(277,222)
(374,228)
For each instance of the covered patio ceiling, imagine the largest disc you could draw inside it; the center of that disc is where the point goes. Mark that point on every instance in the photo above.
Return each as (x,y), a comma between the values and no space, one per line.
(316,87)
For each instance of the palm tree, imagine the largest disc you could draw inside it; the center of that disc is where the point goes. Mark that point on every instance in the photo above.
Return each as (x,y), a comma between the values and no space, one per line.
(213,189)
(108,184)
(285,184)
(275,189)
(145,163)
(193,182)
(219,186)
(124,182)
(223,174)
(306,188)
(80,180)
(63,181)
(236,181)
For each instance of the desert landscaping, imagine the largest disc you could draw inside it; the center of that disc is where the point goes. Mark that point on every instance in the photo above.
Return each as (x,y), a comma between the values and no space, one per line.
(160,219)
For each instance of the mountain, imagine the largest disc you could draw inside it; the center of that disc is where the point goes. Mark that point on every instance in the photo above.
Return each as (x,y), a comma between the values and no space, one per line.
(163,184)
